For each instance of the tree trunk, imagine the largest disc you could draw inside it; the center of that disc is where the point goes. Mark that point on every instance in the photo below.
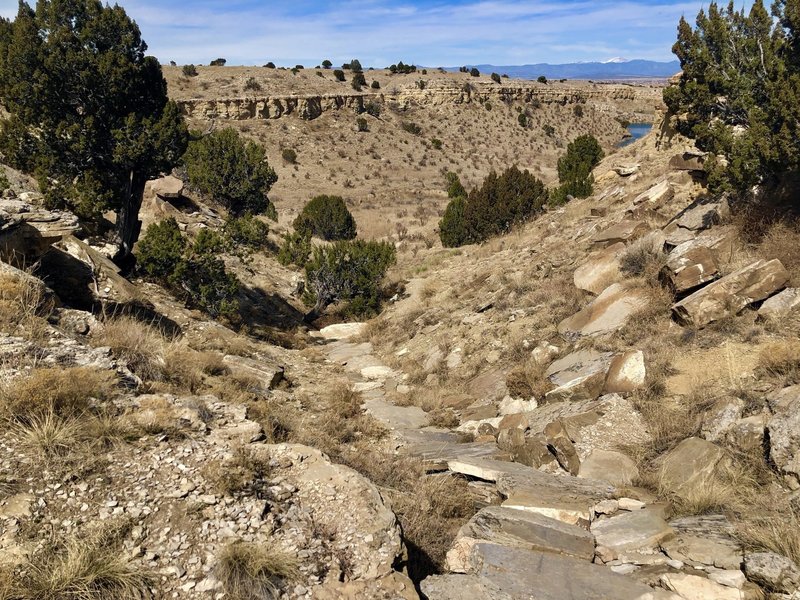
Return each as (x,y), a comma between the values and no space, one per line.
(316,312)
(128,224)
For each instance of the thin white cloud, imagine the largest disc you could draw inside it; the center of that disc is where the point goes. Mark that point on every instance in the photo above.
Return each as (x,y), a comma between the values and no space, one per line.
(383,31)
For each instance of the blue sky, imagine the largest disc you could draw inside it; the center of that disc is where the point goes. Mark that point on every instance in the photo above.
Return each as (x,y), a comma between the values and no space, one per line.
(426,32)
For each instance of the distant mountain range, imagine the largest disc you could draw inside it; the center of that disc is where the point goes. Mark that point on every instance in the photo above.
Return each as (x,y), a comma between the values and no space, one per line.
(616,68)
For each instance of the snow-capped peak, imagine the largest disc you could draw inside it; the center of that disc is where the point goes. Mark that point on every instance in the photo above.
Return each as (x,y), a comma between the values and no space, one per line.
(616,59)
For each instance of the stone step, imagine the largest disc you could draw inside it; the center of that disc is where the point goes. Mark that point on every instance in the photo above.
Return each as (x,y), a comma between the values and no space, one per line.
(519,529)
(564,498)
(498,572)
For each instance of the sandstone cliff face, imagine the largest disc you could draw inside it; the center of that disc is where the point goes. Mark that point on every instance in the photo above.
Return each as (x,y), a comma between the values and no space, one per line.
(640,101)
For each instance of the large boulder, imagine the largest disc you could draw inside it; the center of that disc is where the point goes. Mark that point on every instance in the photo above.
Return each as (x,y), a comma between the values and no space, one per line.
(772,571)
(691,463)
(626,374)
(609,312)
(732,293)
(784,430)
(27,231)
(609,465)
(691,269)
(625,231)
(702,214)
(266,373)
(656,196)
(688,161)
(167,188)
(780,305)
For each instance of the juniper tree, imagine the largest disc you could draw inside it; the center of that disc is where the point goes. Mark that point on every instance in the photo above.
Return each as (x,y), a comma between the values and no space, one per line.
(89,113)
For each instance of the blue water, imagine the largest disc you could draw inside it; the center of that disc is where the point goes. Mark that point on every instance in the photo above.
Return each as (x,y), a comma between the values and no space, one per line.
(637,131)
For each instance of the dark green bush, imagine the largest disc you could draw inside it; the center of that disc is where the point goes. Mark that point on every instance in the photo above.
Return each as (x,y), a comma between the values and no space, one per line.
(289,155)
(541,79)
(189,71)
(549,130)
(202,280)
(4,182)
(575,168)
(362,125)
(474,72)
(495,77)
(739,92)
(411,128)
(295,250)
(252,85)
(452,231)
(161,249)
(326,64)
(375,85)
(338,74)
(402,68)
(223,166)
(522,118)
(326,217)
(358,81)
(219,62)
(194,273)
(501,202)
(454,187)
(373,108)
(246,231)
(350,271)
(436,143)
(270,65)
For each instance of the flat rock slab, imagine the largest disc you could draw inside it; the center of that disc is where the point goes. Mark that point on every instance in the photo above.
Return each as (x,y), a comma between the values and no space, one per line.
(268,373)
(701,214)
(624,231)
(501,572)
(694,587)
(729,295)
(706,540)
(637,531)
(563,498)
(342,331)
(578,364)
(609,465)
(692,462)
(436,447)
(659,194)
(609,312)
(600,269)
(519,529)
(342,352)
(396,417)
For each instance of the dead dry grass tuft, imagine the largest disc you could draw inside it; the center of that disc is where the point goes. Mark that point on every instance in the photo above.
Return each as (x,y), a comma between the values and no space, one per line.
(140,346)
(64,392)
(92,567)
(23,305)
(782,241)
(251,571)
(239,473)
(781,360)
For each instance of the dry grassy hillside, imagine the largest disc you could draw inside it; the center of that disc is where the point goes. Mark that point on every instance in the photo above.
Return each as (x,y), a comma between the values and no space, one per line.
(387,174)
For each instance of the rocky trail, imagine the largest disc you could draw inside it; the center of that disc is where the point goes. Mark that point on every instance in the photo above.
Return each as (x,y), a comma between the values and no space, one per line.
(176,469)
